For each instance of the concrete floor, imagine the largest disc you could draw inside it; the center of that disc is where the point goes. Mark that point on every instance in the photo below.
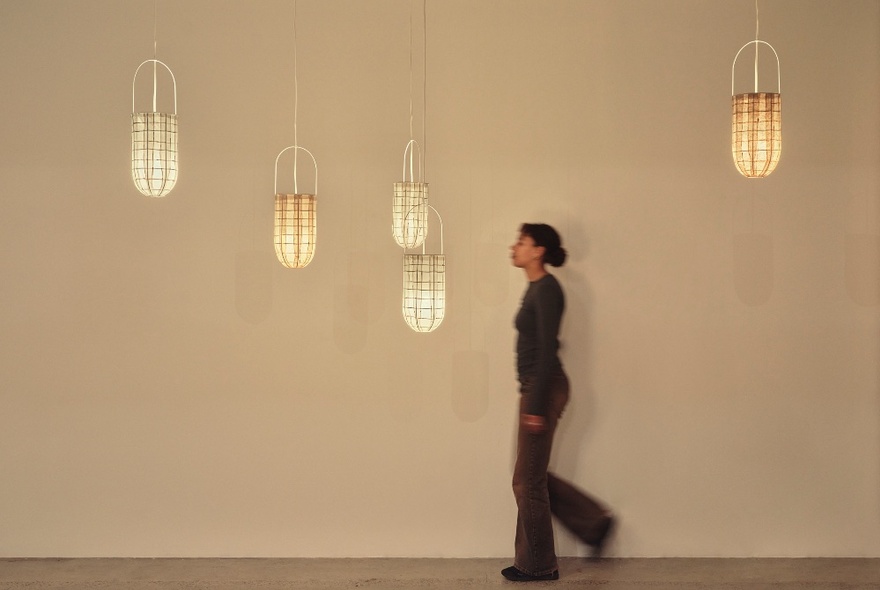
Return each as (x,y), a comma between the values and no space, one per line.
(451,574)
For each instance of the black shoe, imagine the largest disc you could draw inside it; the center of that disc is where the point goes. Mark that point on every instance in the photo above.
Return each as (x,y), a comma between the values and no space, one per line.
(604,534)
(514,575)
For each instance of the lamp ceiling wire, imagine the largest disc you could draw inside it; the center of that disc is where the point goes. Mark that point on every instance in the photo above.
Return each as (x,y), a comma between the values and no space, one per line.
(155,47)
(411,76)
(295,101)
(757,26)
(425,89)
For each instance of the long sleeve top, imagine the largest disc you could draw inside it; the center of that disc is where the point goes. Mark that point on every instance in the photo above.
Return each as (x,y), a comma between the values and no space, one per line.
(537,344)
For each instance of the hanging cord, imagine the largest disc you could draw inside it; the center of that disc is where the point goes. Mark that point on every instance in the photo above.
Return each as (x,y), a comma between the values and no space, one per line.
(155,48)
(295,101)
(757,47)
(411,75)
(425,90)
(411,138)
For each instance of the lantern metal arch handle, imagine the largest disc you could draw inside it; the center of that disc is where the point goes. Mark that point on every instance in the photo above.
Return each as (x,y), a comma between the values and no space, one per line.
(778,68)
(315,162)
(173,82)
(409,150)
(440,219)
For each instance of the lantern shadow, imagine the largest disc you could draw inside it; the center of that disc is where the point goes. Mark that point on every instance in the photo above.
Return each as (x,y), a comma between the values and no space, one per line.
(862,268)
(491,283)
(753,268)
(470,384)
(253,285)
(580,420)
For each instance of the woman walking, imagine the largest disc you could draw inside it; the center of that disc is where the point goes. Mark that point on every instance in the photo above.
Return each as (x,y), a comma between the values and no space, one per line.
(544,393)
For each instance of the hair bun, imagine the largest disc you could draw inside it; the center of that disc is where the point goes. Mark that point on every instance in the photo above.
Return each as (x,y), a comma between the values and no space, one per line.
(556,257)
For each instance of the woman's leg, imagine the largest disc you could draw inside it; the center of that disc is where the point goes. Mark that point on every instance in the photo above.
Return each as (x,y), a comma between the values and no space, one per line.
(535,553)
(580,513)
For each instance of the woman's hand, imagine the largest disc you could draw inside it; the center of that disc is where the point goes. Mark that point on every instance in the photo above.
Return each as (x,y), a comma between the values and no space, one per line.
(533,424)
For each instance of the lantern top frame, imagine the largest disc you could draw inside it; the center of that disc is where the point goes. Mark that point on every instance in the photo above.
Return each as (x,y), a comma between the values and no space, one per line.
(440,219)
(755,42)
(295,187)
(410,150)
(173,82)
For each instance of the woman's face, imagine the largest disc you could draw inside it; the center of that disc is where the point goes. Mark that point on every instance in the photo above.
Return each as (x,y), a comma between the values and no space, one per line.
(524,251)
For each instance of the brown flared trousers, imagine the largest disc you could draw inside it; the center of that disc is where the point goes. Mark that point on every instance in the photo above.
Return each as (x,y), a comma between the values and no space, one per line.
(539,493)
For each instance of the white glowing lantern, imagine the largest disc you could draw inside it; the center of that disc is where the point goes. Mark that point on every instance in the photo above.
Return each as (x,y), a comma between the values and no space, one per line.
(424,287)
(296,220)
(757,124)
(409,210)
(154,143)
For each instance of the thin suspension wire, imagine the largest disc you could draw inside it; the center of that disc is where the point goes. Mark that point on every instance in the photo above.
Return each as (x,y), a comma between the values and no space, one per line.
(295,101)
(757,47)
(411,72)
(155,47)
(411,138)
(425,91)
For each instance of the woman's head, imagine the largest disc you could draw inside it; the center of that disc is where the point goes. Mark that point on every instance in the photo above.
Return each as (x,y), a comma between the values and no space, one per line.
(544,236)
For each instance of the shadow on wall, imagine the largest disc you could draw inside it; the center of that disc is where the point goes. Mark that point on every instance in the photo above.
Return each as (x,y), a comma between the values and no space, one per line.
(753,256)
(576,350)
(862,258)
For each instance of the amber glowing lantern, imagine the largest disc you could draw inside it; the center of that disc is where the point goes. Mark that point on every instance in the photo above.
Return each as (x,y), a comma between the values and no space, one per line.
(296,219)
(757,123)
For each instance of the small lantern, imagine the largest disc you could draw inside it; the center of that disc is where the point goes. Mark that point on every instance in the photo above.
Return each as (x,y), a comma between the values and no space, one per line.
(424,287)
(296,220)
(757,124)
(409,211)
(154,143)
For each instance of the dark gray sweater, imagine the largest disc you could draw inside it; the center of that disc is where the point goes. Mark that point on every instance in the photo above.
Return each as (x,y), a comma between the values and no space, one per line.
(537,344)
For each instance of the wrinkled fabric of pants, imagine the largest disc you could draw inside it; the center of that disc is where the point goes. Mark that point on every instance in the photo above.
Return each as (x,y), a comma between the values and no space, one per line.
(540,494)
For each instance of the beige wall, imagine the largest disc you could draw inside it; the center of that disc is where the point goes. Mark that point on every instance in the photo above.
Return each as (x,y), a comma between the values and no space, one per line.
(168,389)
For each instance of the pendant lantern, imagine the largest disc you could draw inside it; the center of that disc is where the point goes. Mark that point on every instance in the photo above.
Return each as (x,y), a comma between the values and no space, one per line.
(424,287)
(296,219)
(154,143)
(409,222)
(757,119)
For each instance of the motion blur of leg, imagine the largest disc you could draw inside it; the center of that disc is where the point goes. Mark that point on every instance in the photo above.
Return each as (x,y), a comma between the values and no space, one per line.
(579,513)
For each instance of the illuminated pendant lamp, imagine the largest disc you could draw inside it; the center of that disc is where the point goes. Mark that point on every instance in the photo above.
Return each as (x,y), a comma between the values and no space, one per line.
(757,121)
(424,287)
(296,215)
(296,219)
(410,204)
(154,138)
(410,208)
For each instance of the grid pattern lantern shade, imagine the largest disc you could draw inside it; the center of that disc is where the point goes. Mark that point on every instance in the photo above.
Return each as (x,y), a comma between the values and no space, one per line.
(409,212)
(757,125)
(424,287)
(296,221)
(154,143)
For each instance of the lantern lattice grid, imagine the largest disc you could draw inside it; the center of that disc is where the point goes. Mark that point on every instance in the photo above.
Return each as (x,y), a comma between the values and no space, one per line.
(154,143)
(296,220)
(757,124)
(424,287)
(409,210)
